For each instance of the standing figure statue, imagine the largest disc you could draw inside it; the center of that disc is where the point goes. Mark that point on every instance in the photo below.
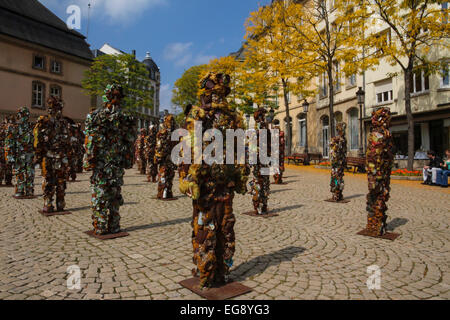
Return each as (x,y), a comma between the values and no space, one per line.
(5,174)
(278,177)
(20,153)
(379,161)
(80,153)
(52,147)
(76,151)
(338,158)
(212,186)
(150,147)
(110,136)
(163,159)
(260,185)
(140,151)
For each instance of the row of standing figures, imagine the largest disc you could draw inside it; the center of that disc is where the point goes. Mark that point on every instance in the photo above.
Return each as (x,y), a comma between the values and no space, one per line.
(109,149)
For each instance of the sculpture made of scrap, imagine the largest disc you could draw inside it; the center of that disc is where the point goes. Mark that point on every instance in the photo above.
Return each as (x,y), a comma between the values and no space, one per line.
(278,176)
(338,158)
(149,153)
(140,157)
(379,160)
(77,151)
(6,172)
(212,187)
(110,136)
(20,152)
(260,185)
(163,151)
(52,149)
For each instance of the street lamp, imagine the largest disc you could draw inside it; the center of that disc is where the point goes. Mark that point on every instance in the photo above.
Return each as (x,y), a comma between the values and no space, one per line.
(305,106)
(360,95)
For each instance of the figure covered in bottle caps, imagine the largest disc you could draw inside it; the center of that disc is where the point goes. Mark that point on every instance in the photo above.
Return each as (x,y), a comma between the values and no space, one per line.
(110,136)
(338,158)
(379,161)
(149,153)
(77,147)
(260,185)
(163,153)
(140,151)
(20,153)
(278,176)
(212,186)
(52,147)
(5,166)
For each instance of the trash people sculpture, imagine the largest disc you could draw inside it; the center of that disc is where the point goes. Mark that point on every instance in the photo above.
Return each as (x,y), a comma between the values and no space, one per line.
(260,185)
(149,153)
(52,147)
(338,158)
(379,161)
(278,177)
(20,153)
(6,173)
(110,136)
(163,159)
(77,152)
(212,187)
(141,159)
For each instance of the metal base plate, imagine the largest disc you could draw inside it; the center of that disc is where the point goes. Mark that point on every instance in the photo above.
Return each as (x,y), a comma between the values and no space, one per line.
(110,236)
(388,235)
(228,291)
(342,201)
(55,213)
(24,197)
(254,214)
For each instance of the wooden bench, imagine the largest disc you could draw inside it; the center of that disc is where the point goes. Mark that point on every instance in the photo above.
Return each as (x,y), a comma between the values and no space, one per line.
(298,158)
(357,164)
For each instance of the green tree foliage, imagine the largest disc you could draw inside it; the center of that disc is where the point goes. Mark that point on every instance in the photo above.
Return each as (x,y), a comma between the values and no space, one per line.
(186,88)
(125,70)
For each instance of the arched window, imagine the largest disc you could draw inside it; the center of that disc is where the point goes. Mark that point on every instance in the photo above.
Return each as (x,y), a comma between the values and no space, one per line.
(353,125)
(301,118)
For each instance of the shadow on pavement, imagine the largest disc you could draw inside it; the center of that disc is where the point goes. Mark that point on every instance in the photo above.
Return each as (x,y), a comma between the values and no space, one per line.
(395,223)
(354,196)
(158,224)
(259,264)
(278,210)
(280,190)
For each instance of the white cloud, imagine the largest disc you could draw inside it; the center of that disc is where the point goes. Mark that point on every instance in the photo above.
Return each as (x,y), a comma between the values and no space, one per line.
(203,59)
(182,55)
(116,11)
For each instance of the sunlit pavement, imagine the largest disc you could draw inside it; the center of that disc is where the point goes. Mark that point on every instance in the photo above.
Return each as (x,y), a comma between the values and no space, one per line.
(310,251)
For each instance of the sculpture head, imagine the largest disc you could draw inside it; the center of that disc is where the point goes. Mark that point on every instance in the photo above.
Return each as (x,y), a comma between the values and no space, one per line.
(113,95)
(340,128)
(23,115)
(55,107)
(260,116)
(169,122)
(214,88)
(381,118)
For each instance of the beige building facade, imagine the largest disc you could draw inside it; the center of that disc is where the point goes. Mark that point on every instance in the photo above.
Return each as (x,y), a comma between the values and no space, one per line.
(40,57)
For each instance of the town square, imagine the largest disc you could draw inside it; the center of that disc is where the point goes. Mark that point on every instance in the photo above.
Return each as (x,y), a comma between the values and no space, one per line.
(310,164)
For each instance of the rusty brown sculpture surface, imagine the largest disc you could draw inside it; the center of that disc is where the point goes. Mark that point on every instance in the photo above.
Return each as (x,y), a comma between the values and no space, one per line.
(163,152)
(212,187)
(338,157)
(379,165)
(150,148)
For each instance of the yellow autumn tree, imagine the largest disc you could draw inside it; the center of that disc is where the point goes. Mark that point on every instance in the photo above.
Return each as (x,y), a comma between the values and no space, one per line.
(412,34)
(330,33)
(269,58)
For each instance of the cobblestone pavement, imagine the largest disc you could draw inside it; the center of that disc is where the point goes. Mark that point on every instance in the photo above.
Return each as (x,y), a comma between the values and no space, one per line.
(310,251)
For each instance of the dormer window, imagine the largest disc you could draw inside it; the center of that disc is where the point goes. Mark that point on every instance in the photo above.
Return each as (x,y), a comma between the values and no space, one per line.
(56,67)
(38,62)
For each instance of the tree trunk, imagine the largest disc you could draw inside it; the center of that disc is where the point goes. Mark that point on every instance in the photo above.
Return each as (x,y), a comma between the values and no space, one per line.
(331,100)
(408,73)
(288,119)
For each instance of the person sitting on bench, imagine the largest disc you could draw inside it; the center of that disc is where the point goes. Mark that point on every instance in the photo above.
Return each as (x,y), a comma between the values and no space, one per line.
(442,175)
(430,171)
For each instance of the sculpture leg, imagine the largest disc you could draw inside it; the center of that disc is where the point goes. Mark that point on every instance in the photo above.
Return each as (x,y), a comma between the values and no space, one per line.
(49,185)
(99,209)
(225,246)
(60,189)
(169,181)
(20,171)
(114,207)
(2,172)
(8,174)
(29,178)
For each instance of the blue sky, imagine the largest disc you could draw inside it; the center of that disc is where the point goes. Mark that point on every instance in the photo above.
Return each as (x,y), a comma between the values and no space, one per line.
(177,33)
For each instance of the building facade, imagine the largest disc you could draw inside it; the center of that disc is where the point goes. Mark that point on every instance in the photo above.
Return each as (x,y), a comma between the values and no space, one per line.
(40,57)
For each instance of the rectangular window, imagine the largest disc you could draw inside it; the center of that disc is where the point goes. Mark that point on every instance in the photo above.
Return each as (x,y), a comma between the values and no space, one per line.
(352,80)
(56,67)
(354,129)
(383,41)
(38,62)
(302,131)
(445,82)
(323,85)
(420,82)
(55,91)
(337,72)
(384,91)
(444,7)
(38,90)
